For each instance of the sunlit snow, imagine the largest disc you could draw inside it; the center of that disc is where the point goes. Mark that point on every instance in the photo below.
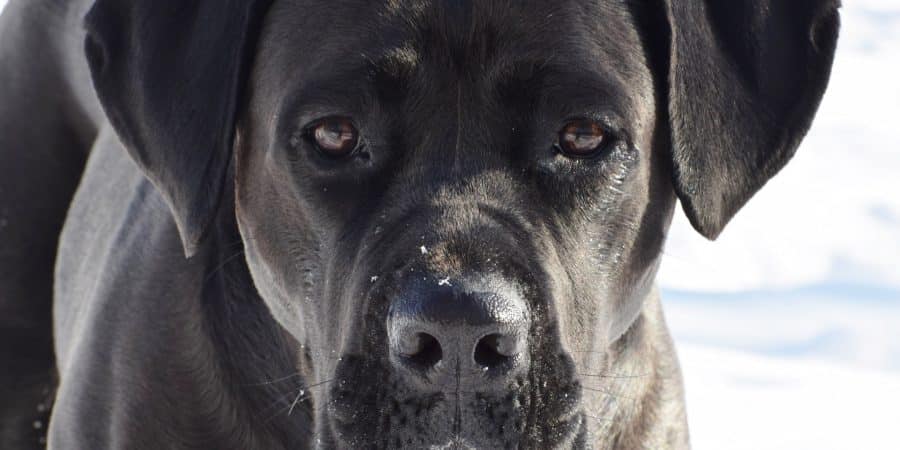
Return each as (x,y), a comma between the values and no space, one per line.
(788,326)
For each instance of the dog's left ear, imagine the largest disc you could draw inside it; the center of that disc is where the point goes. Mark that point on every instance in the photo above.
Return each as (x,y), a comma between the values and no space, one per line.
(169,74)
(745,79)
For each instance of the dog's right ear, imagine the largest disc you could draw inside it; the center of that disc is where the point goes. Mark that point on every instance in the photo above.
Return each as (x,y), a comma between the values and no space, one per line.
(169,74)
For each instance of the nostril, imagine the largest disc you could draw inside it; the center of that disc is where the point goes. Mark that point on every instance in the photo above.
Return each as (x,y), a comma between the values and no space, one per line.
(495,349)
(422,349)
(471,332)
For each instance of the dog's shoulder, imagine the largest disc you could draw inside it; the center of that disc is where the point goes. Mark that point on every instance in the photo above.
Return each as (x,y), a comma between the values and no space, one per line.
(119,247)
(138,327)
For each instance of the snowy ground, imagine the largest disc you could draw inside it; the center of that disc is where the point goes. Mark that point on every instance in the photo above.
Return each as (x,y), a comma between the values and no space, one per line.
(788,327)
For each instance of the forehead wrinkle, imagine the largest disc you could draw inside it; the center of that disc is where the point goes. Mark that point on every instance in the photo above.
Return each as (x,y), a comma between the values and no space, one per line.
(404,44)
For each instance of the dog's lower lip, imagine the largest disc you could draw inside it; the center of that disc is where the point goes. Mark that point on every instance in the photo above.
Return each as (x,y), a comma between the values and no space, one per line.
(340,408)
(344,414)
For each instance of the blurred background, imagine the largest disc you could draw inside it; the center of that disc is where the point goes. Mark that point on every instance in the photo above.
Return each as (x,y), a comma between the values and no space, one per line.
(788,326)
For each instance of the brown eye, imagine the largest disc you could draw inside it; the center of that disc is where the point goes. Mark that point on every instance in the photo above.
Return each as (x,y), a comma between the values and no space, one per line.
(336,138)
(581,138)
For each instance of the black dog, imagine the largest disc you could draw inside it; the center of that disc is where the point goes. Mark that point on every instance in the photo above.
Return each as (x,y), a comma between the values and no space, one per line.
(422,224)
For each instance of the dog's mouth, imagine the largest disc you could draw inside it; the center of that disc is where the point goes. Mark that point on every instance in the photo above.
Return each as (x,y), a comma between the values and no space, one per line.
(540,409)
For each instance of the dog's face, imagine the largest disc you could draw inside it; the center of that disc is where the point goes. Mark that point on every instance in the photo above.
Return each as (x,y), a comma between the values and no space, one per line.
(457,208)
(464,203)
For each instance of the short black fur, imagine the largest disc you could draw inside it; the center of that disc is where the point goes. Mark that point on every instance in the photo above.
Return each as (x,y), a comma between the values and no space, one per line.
(177,123)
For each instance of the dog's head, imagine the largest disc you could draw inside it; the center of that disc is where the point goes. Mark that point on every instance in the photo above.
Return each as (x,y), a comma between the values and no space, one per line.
(457,208)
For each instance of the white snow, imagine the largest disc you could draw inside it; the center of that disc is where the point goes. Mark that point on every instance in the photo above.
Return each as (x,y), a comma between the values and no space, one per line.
(740,401)
(788,327)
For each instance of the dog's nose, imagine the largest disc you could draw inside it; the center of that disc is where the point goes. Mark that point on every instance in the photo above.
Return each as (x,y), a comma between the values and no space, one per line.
(455,334)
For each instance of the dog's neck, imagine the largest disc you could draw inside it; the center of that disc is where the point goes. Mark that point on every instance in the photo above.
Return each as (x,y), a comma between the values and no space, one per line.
(637,400)
(254,364)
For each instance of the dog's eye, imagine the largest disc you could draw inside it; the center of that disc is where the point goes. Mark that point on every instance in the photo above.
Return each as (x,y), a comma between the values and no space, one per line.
(581,138)
(335,137)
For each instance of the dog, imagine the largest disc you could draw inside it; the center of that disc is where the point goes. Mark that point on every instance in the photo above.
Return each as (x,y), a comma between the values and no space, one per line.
(266,224)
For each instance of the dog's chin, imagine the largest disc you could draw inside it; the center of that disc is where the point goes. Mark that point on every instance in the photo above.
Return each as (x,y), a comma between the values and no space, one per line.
(368,406)
(564,434)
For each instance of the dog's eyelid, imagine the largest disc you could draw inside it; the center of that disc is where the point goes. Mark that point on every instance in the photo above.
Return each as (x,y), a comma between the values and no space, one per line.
(317,100)
(609,120)
(294,121)
(610,124)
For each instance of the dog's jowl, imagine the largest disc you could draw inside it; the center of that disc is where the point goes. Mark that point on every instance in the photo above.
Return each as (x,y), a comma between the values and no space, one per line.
(266,224)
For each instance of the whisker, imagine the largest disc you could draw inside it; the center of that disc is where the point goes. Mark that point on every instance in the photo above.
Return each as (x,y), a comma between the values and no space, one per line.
(326,354)
(277,380)
(305,390)
(300,397)
(233,243)
(296,400)
(608,392)
(319,383)
(273,410)
(599,419)
(223,264)
(616,376)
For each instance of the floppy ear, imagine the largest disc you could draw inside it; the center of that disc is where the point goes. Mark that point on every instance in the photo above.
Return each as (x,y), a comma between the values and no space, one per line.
(169,74)
(745,80)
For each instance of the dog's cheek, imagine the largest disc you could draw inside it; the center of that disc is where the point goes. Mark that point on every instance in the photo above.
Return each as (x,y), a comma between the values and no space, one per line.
(276,248)
(597,248)
(649,208)
(271,290)
(632,269)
